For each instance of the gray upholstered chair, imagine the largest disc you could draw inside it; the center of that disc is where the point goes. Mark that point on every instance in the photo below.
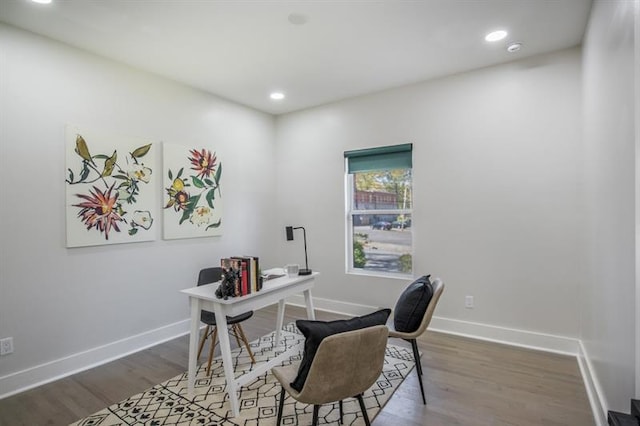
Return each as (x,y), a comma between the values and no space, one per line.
(345,365)
(438,287)
(208,276)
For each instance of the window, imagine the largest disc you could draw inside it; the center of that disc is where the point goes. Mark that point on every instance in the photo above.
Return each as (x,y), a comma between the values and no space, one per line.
(379,202)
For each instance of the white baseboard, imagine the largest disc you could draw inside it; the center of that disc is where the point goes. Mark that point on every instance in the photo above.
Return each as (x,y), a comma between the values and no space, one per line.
(594,391)
(20,381)
(510,336)
(335,306)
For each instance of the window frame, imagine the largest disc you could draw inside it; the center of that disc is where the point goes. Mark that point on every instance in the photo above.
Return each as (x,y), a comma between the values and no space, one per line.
(350,212)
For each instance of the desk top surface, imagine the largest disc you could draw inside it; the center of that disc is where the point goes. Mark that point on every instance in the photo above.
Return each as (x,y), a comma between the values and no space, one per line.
(207,291)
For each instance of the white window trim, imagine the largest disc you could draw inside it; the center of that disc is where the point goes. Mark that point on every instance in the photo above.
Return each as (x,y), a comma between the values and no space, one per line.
(349,212)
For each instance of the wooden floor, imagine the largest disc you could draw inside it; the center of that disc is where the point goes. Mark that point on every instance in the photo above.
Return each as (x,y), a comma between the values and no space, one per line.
(467,382)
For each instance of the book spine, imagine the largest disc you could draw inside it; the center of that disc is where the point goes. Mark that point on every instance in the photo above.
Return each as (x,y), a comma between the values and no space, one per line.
(242,274)
(246,274)
(259,275)
(237,266)
(225,264)
(254,273)
(245,277)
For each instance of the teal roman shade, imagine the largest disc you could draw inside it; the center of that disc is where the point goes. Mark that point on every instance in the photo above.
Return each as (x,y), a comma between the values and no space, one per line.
(380,158)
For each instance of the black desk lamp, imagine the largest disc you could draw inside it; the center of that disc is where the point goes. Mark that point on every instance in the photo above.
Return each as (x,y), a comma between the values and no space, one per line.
(289,230)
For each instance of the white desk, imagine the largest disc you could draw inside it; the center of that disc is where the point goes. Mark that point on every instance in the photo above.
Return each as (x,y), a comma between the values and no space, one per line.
(273,291)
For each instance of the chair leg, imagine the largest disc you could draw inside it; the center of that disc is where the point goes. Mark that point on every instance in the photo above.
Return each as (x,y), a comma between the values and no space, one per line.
(214,337)
(315,415)
(280,406)
(364,410)
(204,338)
(341,412)
(416,357)
(246,343)
(234,329)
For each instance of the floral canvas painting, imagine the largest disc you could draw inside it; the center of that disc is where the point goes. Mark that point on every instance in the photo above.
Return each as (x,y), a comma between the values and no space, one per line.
(192,190)
(110,196)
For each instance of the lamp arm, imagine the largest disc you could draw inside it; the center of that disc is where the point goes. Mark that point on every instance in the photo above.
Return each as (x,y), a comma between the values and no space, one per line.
(304,235)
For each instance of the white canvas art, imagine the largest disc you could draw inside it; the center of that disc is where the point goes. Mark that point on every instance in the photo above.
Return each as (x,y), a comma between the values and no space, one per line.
(193,198)
(110,195)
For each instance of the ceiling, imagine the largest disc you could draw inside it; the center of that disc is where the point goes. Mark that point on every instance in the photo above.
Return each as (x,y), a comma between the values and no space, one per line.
(243,50)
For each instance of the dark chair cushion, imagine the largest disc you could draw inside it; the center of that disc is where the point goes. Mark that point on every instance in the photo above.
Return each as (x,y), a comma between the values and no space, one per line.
(315,331)
(412,305)
(209,318)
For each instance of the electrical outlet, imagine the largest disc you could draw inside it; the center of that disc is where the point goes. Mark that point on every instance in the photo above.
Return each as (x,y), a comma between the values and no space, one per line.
(6,346)
(468,302)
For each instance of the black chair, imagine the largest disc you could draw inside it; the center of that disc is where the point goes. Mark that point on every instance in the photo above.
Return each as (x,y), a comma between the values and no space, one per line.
(208,276)
(422,322)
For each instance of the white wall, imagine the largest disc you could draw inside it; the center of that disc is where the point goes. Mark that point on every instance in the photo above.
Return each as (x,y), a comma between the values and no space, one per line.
(637,108)
(609,302)
(496,175)
(500,208)
(57,302)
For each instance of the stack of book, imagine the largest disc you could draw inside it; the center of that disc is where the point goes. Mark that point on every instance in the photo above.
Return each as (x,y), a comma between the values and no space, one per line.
(244,271)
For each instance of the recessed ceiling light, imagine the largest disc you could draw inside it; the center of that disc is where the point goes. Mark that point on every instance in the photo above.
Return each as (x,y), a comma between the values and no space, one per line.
(277,96)
(496,35)
(42,1)
(514,47)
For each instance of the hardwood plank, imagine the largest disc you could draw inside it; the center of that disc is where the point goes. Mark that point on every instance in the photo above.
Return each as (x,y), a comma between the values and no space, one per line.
(467,382)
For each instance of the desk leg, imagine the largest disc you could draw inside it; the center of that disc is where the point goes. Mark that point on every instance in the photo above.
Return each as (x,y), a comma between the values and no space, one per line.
(311,314)
(193,344)
(279,320)
(225,348)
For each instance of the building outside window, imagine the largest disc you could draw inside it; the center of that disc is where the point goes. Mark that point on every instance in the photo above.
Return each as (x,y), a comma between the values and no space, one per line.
(379,203)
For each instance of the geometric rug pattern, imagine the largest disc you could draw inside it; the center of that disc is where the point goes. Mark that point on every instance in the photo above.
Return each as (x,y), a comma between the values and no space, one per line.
(168,404)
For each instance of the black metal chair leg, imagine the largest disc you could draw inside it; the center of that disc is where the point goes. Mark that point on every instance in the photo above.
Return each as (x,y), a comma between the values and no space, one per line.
(341,412)
(364,410)
(280,407)
(416,357)
(315,415)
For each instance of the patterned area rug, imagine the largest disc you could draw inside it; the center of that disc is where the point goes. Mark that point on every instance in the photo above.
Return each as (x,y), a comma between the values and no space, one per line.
(167,403)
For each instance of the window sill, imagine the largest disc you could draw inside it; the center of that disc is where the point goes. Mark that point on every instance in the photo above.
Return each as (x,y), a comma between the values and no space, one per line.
(380,274)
